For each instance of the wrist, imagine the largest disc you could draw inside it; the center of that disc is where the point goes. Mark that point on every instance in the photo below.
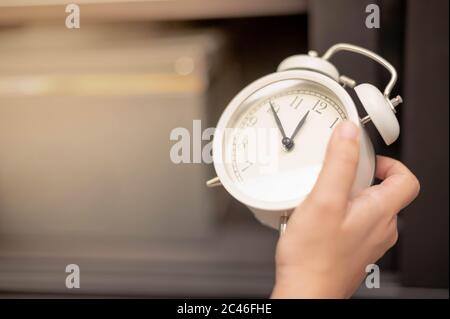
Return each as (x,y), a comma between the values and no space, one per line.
(291,285)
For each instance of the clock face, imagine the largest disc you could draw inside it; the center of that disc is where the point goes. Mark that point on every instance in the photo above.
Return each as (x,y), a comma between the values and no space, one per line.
(276,140)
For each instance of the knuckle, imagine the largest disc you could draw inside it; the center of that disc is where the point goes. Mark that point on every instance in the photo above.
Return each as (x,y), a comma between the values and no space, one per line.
(392,233)
(393,238)
(411,183)
(415,184)
(376,204)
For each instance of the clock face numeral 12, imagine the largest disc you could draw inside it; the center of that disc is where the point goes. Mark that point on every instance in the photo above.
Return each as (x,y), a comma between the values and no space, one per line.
(319,106)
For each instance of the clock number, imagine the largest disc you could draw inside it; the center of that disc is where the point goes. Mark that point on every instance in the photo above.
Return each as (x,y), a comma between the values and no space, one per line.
(296,102)
(276,107)
(244,143)
(319,107)
(251,120)
(248,164)
(335,121)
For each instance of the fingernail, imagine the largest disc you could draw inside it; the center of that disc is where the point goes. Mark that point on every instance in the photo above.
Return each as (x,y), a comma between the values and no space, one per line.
(348,130)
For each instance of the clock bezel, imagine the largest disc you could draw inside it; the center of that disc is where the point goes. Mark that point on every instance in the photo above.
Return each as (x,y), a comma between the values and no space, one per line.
(219,165)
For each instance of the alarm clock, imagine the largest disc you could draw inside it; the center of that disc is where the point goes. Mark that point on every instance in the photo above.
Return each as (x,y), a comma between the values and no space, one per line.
(299,105)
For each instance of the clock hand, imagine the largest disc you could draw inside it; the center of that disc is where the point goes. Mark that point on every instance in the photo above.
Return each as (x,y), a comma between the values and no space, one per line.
(299,125)
(286,141)
(277,119)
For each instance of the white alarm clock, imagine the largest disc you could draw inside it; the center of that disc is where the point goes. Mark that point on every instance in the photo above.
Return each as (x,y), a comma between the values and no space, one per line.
(298,107)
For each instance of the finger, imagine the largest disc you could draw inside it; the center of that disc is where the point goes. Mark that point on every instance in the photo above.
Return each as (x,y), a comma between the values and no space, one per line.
(392,232)
(399,187)
(339,168)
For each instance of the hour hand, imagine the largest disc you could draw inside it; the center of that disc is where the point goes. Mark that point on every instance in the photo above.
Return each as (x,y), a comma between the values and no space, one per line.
(287,142)
(299,125)
(277,120)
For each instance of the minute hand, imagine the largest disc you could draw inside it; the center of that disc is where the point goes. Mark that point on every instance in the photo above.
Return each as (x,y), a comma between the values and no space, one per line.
(299,125)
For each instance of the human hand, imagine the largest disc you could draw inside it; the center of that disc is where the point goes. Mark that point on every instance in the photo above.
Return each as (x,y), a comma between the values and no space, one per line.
(331,238)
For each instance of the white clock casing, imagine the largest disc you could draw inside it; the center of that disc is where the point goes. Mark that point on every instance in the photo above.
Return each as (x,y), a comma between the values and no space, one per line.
(318,75)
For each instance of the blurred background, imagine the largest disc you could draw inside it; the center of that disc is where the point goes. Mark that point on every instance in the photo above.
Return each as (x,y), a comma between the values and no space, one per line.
(85,119)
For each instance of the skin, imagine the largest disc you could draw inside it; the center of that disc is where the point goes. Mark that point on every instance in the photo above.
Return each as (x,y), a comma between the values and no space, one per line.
(331,238)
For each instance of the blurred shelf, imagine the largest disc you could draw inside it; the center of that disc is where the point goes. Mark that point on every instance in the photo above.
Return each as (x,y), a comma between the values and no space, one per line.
(23,11)
(235,262)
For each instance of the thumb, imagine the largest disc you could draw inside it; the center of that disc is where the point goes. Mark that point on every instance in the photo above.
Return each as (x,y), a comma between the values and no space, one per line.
(338,172)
